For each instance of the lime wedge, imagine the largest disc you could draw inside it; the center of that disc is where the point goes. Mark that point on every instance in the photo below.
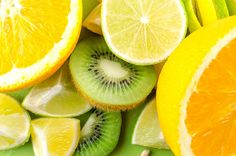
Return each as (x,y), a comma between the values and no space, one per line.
(147,130)
(55,136)
(143,31)
(14,123)
(56,97)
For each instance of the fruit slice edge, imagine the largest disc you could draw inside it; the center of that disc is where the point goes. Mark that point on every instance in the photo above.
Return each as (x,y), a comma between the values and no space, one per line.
(187,57)
(24,68)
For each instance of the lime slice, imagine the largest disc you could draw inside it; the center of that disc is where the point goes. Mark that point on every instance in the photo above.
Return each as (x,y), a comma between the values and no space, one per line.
(143,31)
(231,6)
(14,123)
(193,23)
(56,97)
(147,130)
(55,136)
(210,11)
(93,20)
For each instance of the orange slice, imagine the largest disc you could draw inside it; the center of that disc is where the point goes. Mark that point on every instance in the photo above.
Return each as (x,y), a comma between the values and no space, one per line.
(36,37)
(196,96)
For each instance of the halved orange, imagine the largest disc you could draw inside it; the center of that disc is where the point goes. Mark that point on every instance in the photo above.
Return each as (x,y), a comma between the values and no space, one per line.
(196,93)
(36,37)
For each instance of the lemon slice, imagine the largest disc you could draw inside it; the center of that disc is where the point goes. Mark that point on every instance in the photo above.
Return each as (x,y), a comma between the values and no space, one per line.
(55,136)
(143,31)
(56,97)
(36,37)
(14,123)
(147,130)
(93,20)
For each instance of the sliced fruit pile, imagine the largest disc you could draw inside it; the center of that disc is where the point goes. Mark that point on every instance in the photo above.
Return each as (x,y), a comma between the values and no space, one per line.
(73,93)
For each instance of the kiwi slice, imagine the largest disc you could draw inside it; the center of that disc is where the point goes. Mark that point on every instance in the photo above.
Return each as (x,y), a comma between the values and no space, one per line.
(100,134)
(105,80)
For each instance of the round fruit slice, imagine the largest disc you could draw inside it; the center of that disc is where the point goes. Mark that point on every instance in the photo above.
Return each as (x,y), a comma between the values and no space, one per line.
(193,22)
(143,31)
(56,97)
(93,20)
(196,93)
(100,134)
(55,136)
(14,123)
(107,81)
(147,130)
(36,37)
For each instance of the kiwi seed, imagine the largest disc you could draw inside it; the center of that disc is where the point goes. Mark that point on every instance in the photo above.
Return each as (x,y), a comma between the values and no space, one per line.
(100,134)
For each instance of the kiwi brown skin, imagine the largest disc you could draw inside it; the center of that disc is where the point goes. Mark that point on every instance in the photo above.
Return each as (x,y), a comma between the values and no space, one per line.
(105,106)
(147,80)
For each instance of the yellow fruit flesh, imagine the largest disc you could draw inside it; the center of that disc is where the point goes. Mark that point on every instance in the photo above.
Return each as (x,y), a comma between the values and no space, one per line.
(55,136)
(93,20)
(29,29)
(36,37)
(14,123)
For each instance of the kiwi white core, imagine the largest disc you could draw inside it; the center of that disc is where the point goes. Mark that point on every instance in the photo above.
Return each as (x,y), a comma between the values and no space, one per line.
(89,125)
(113,69)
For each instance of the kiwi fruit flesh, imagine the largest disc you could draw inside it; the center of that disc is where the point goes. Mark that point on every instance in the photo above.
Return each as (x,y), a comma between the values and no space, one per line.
(107,81)
(100,134)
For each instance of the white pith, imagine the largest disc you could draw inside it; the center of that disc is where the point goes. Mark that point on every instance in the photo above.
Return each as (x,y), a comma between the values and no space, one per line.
(22,75)
(112,69)
(184,137)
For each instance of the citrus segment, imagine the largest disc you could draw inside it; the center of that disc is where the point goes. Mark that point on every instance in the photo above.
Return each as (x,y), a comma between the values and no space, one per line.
(147,131)
(199,78)
(143,31)
(51,136)
(93,20)
(14,123)
(36,37)
(215,91)
(56,97)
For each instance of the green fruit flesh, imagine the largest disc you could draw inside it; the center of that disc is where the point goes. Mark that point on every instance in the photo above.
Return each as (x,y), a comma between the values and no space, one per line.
(100,134)
(107,81)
